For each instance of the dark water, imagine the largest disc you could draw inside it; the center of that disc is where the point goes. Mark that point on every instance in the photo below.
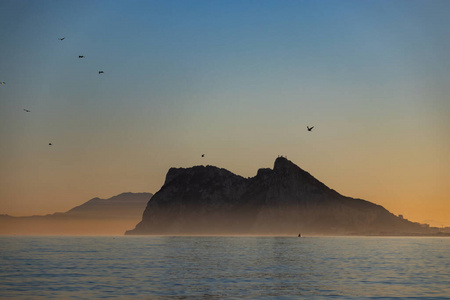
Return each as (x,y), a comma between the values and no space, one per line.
(224,267)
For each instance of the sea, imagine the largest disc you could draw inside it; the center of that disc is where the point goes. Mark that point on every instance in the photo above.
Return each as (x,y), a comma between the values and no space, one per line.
(224,267)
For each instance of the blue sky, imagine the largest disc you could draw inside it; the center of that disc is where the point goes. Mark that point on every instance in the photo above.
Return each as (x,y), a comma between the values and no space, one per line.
(236,80)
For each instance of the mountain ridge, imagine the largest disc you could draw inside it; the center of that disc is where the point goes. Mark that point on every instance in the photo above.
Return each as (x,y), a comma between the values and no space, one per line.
(122,205)
(282,200)
(95,216)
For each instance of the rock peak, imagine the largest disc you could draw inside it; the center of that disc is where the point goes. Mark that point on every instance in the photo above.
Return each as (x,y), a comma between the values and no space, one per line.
(210,200)
(283,164)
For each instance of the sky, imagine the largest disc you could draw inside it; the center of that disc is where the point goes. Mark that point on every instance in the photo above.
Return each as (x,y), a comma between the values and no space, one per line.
(238,81)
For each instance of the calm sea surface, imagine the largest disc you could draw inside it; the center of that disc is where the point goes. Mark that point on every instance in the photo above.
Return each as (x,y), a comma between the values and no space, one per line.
(224,267)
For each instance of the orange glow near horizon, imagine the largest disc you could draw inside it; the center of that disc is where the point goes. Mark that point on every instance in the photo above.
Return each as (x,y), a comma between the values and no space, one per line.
(237,84)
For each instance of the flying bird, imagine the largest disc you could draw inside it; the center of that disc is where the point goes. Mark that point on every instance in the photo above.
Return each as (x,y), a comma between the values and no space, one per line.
(80,56)
(27,110)
(203,155)
(3,82)
(49,144)
(309,128)
(100,72)
(61,39)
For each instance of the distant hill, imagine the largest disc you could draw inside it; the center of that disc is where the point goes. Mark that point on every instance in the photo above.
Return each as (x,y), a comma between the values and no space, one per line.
(285,200)
(96,216)
(125,205)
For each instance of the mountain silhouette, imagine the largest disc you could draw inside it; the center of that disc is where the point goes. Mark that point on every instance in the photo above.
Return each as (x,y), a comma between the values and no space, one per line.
(285,200)
(125,205)
(96,216)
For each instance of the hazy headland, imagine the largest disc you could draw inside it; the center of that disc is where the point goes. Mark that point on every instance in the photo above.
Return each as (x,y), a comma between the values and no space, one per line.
(285,200)
(95,217)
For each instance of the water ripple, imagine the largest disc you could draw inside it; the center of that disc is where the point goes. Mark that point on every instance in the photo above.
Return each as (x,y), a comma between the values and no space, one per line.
(224,267)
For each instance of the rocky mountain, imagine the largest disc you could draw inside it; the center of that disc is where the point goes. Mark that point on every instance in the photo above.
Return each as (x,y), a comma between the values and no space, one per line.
(96,216)
(285,200)
(124,206)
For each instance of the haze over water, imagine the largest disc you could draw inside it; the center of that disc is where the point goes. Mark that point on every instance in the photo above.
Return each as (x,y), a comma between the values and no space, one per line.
(224,267)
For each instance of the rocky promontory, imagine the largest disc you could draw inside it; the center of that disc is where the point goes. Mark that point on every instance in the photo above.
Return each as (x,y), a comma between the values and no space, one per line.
(284,200)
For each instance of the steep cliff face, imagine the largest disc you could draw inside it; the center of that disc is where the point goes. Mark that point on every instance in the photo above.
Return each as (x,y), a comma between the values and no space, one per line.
(199,199)
(282,200)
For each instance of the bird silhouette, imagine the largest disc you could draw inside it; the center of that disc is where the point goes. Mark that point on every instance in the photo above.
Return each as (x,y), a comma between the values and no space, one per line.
(49,144)
(61,39)
(80,56)
(27,110)
(309,128)
(100,72)
(203,155)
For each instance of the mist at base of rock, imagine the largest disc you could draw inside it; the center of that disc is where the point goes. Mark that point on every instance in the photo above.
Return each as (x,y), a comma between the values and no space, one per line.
(285,200)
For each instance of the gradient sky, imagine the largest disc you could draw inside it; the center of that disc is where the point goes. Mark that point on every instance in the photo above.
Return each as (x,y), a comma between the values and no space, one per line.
(236,80)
